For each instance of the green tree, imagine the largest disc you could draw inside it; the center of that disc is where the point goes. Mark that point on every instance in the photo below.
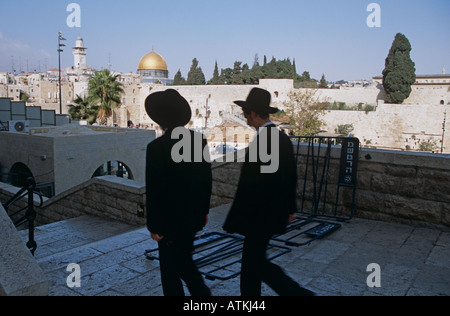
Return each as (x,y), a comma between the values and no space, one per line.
(226,76)
(216,77)
(178,80)
(305,81)
(23,96)
(304,112)
(195,74)
(344,129)
(323,84)
(83,110)
(254,74)
(399,72)
(236,78)
(270,69)
(105,92)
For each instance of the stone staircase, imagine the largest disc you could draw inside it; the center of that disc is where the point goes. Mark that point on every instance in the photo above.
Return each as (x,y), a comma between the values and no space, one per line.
(109,254)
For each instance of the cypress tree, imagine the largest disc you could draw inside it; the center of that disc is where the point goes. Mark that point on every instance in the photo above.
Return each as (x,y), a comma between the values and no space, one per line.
(237,74)
(178,79)
(215,79)
(195,75)
(323,82)
(399,73)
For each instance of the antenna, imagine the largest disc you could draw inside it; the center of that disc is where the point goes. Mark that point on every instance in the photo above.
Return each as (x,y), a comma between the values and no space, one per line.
(12,66)
(109,61)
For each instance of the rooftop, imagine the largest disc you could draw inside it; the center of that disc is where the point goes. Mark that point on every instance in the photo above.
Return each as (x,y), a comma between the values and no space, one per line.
(413,261)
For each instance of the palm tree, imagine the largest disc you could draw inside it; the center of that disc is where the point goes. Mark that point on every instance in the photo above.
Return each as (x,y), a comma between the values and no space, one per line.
(105,91)
(83,110)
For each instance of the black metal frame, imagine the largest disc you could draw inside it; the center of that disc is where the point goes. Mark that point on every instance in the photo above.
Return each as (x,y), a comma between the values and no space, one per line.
(30,214)
(318,163)
(215,254)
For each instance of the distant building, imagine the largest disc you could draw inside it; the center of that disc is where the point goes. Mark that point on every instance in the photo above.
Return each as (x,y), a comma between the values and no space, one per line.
(441,79)
(79,54)
(79,72)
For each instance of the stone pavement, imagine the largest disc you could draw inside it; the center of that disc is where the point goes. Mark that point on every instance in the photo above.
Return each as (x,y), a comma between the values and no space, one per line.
(413,261)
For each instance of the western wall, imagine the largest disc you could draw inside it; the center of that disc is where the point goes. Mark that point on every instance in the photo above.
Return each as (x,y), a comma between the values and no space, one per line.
(404,127)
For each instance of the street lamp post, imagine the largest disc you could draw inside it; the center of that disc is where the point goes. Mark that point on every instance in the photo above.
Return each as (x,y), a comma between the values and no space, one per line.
(443,131)
(60,38)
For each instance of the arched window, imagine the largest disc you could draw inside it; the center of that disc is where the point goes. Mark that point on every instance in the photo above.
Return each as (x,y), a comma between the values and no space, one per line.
(113,168)
(18,174)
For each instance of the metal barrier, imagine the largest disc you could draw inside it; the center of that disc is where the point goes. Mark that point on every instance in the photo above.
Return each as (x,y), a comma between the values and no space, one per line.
(328,177)
(218,255)
(328,189)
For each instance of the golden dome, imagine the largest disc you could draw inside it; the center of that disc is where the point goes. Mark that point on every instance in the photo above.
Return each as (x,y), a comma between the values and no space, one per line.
(152,61)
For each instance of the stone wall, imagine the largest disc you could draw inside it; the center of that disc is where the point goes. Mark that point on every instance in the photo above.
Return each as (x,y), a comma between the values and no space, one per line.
(395,126)
(406,187)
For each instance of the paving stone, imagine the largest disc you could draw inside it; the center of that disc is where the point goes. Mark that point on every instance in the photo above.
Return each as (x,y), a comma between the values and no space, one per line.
(412,260)
(102,280)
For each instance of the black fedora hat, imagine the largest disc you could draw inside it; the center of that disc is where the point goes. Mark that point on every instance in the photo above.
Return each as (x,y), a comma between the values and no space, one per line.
(258,101)
(168,108)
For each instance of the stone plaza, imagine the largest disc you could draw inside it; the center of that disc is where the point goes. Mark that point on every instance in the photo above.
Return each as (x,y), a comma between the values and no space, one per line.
(413,261)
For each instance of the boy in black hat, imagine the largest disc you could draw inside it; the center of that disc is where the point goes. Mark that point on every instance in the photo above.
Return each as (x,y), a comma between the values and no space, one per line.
(178,195)
(265,201)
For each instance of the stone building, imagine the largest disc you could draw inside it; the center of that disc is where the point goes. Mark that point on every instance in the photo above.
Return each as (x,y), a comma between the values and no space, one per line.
(62,157)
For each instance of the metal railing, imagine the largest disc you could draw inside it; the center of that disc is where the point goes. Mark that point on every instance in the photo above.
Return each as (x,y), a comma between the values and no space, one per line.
(323,182)
(30,213)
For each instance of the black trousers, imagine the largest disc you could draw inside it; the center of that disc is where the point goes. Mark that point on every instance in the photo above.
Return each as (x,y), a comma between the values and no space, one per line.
(175,256)
(256,268)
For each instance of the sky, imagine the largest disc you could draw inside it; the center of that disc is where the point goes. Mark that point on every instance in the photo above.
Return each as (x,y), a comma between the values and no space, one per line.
(330,37)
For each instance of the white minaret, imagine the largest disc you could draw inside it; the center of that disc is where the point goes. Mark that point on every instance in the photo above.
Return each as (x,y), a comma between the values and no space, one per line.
(79,54)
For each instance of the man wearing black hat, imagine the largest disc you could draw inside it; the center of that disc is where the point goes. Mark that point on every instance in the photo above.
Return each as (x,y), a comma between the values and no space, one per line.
(178,194)
(265,202)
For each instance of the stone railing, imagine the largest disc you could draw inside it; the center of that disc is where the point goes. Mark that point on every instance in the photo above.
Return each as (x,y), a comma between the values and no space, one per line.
(406,187)
(108,196)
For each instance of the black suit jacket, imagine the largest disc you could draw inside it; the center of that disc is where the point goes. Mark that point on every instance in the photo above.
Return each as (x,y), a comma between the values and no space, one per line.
(264,201)
(178,194)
